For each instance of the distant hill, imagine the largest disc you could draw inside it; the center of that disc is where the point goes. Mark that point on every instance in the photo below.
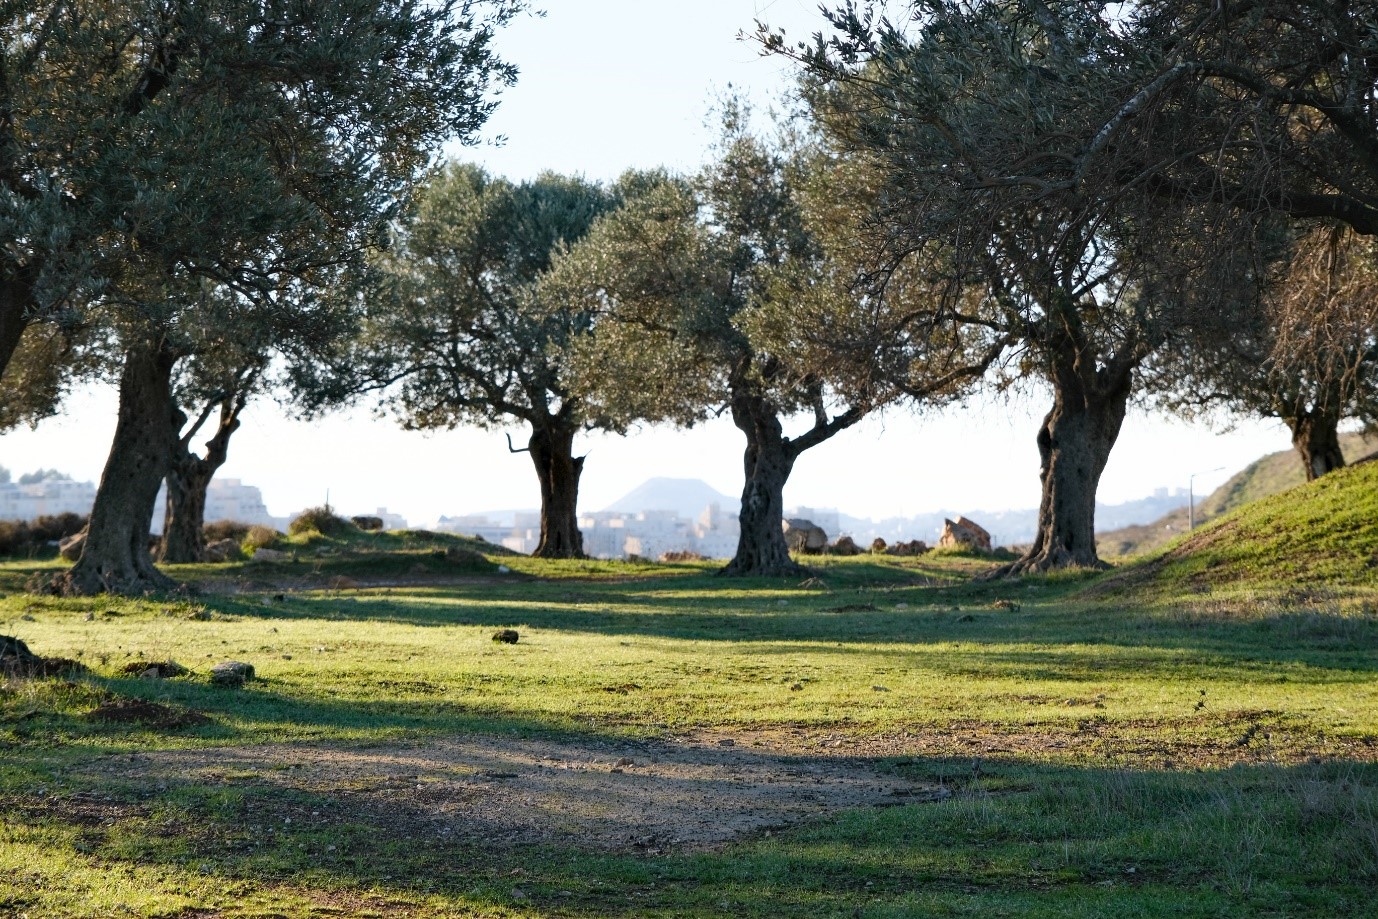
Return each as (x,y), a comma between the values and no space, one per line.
(1269,475)
(1323,532)
(686,497)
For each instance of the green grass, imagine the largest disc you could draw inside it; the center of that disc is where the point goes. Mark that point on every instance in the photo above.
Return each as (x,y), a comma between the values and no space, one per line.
(1313,542)
(1269,475)
(1163,752)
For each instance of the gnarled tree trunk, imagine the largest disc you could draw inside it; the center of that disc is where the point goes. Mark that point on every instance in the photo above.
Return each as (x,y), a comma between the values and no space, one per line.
(552,451)
(768,460)
(188,478)
(1316,437)
(1074,443)
(184,539)
(115,558)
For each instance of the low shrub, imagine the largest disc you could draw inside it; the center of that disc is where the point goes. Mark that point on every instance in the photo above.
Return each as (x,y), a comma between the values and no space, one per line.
(30,538)
(259,537)
(320,520)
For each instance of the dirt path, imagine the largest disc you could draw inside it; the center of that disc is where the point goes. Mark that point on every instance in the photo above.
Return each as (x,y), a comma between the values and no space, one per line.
(510,791)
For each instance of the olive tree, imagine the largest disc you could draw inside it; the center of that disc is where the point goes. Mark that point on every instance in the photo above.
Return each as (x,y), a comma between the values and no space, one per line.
(461,338)
(217,385)
(1307,355)
(979,126)
(253,161)
(705,292)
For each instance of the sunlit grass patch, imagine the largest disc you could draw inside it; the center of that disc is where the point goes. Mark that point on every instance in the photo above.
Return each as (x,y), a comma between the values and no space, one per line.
(1189,754)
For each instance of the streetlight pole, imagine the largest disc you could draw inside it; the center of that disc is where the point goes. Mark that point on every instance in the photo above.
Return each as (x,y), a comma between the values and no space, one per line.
(1191,496)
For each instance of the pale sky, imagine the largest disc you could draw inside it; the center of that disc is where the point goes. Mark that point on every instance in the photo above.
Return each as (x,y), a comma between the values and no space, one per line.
(606,85)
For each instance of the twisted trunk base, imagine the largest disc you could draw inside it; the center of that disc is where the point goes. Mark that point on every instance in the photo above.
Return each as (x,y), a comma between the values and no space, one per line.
(768,461)
(115,558)
(184,535)
(1074,444)
(552,452)
(1316,437)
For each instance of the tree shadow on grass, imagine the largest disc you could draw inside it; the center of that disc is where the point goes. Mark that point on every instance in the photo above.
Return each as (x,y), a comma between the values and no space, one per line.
(1056,638)
(1013,836)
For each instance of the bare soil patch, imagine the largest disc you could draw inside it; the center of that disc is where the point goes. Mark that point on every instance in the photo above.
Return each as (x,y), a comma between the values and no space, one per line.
(153,714)
(602,795)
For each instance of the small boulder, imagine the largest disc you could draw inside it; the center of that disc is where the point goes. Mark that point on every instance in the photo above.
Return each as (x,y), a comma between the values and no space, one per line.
(804,536)
(913,547)
(232,673)
(506,636)
(222,550)
(845,545)
(367,523)
(270,555)
(70,547)
(878,545)
(964,533)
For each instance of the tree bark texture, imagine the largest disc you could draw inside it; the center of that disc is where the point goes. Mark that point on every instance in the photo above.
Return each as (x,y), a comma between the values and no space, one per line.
(768,461)
(184,540)
(1316,437)
(188,478)
(116,557)
(1074,444)
(552,451)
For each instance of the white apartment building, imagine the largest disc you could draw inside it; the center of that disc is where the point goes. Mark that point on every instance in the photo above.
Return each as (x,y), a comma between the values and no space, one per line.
(231,499)
(479,526)
(45,499)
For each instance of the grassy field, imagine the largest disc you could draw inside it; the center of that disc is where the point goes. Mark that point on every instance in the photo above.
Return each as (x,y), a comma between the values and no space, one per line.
(1186,738)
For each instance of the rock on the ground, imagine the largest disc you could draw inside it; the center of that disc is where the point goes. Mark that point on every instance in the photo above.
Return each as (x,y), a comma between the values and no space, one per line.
(964,533)
(913,547)
(367,522)
(506,636)
(804,536)
(878,545)
(270,555)
(222,550)
(70,547)
(232,673)
(845,545)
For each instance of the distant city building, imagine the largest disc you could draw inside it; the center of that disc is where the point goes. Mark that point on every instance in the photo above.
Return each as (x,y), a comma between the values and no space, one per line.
(226,499)
(46,498)
(390,520)
(479,526)
(231,499)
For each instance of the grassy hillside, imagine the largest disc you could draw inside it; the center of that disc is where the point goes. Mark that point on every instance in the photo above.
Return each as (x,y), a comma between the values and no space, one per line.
(1319,534)
(1269,475)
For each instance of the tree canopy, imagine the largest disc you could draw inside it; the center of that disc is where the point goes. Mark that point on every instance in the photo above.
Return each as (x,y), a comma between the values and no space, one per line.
(981,126)
(462,335)
(225,170)
(695,285)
